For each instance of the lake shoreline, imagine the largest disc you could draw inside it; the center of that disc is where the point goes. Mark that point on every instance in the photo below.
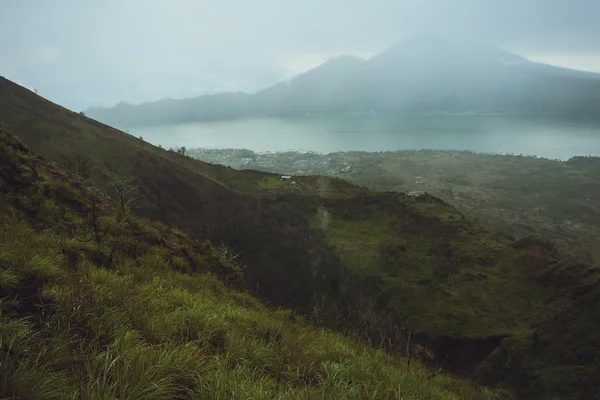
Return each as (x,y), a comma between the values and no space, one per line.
(541,137)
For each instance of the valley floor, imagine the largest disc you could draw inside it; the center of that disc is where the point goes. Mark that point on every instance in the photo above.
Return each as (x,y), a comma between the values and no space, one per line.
(518,195)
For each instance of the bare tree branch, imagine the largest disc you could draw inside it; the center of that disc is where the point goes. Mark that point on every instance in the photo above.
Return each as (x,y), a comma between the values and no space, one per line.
(128,193)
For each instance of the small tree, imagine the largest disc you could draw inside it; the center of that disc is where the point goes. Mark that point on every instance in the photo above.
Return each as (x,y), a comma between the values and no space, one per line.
(227,267)
(97,235)
(127,193)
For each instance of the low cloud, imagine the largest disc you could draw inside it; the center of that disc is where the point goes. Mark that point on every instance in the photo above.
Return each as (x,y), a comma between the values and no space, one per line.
(45,55)
(99,53)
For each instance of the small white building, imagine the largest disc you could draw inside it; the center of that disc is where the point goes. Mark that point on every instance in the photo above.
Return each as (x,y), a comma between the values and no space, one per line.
(285,177)
(416,193)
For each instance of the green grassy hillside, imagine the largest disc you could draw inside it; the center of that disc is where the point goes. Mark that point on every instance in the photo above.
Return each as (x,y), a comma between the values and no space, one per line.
(396,271)
(96,303)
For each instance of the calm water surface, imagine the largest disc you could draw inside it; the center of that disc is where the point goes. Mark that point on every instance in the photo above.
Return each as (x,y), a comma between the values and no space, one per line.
(540,136)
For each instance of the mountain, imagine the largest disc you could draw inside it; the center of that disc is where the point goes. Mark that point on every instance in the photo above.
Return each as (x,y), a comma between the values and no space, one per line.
(410,275)
(423,74)
(322,89)
(170,111)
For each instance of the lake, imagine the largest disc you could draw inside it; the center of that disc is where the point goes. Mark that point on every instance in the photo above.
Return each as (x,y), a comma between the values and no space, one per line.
(528,135)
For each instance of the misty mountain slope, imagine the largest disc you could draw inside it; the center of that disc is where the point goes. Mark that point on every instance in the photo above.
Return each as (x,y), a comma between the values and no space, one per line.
(170,111)
(138,312)
(421,74)
(428,49)
(334,86)
(382,266)
(429,71)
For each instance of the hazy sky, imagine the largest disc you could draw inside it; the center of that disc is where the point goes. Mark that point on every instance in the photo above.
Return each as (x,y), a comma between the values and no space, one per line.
(82,53)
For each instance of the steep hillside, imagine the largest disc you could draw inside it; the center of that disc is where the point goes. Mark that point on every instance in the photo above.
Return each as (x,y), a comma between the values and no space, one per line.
(394,269)
(96,303)
(294,258)
(418,75)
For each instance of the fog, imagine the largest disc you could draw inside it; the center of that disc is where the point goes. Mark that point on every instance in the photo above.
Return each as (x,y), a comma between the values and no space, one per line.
(82,54)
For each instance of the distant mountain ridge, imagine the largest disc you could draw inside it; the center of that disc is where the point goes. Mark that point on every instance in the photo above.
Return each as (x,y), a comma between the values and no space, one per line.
(420,75)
